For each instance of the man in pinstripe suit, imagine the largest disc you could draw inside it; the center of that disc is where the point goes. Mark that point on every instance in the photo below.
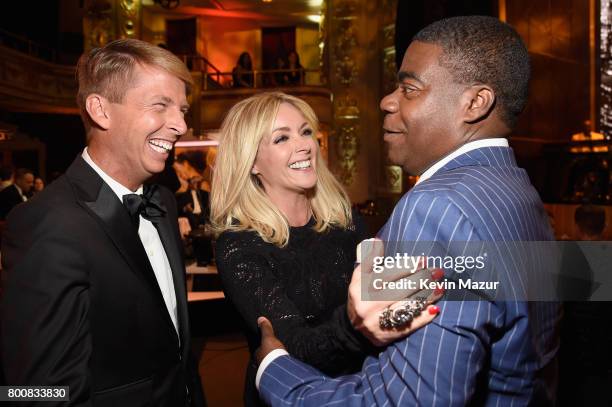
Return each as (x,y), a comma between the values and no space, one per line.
(462,84)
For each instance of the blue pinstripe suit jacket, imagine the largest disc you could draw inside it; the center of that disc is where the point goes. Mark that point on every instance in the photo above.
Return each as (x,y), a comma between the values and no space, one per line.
(491,353)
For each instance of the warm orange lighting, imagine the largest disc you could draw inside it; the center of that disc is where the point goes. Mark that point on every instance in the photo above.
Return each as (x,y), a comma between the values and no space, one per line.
(582,149)
(196,143)
(267,1)
(594,136)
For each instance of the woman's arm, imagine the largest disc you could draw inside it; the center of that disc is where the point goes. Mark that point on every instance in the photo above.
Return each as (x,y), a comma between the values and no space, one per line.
(250,283)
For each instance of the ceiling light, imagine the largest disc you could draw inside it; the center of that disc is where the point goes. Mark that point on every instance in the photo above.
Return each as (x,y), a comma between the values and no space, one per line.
(315,18)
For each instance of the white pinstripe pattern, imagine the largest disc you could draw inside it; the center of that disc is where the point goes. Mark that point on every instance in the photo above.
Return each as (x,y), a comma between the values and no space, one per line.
(478,196)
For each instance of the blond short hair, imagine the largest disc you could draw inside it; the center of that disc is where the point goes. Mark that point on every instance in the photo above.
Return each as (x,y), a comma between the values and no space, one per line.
(108,70)
(238,200)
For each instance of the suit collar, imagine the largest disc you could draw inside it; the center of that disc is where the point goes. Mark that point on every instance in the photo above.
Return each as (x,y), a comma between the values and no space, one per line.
(485,156)
(168,234)
(481,157)
(96,197)
(464,149)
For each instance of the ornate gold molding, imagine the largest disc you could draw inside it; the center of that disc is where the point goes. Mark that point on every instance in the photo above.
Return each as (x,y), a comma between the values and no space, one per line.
(108,20)
(392,174)
(128,18)
(393,179)
(344,20)
(30,84)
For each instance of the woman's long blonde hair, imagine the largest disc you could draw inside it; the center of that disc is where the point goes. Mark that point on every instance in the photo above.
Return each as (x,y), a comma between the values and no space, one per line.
(237,198)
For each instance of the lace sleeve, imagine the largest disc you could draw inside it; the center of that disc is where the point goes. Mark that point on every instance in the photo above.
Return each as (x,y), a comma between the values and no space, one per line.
(250,283)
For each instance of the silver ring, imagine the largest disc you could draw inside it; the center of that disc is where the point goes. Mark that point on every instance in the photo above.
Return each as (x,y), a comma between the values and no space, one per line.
(393,319)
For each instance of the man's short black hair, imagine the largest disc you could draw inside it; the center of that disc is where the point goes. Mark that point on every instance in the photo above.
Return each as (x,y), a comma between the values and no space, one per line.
(22,172)
(480,49)
(590,219)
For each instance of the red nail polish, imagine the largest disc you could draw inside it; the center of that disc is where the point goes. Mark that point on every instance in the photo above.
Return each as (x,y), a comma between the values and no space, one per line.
(433,310)
(438,291)
(437,274)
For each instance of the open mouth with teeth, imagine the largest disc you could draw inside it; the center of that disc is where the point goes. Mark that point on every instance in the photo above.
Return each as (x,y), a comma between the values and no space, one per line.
(161,146)
(300,165)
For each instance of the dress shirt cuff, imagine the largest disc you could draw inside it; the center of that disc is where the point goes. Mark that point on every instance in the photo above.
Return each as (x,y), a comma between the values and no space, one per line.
(270,357)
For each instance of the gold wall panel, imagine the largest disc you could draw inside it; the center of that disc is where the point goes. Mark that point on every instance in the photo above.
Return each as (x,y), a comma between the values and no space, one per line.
(108,20)
(361,68)
(557,36)
(33,85)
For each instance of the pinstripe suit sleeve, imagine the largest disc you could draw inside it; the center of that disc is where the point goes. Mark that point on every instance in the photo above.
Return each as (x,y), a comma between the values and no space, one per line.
(437,365)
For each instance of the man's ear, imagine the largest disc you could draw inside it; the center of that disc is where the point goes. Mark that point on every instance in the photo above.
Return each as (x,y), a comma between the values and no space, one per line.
(478,101)
(97,107)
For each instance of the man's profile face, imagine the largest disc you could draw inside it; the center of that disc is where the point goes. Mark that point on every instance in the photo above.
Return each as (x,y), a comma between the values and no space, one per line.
(148,121)
(25,183)
(422,121)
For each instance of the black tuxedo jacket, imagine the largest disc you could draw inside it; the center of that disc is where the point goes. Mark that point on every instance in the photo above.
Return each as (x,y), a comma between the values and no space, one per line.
(9,197)
(185,198)
(81,306)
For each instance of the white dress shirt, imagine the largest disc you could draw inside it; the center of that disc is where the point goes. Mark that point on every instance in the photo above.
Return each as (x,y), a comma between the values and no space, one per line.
(473,145)
(23,197)
(197,208)
(150,240)
(467,147)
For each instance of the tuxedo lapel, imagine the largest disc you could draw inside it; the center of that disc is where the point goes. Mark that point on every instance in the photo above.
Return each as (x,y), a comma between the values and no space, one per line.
(172,247)
(104,205)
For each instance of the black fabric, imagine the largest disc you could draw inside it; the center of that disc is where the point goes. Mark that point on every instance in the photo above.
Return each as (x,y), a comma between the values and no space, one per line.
(148,205)
(185,199)
(81,306)
(302,288)
(9,198)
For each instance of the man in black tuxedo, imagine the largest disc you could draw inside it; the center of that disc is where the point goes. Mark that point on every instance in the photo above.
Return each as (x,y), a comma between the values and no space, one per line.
(193,204)
(94,294)
(17,192)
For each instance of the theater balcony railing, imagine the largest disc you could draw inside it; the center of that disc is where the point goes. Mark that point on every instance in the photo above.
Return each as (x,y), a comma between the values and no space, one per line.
(217,92)
(31,84)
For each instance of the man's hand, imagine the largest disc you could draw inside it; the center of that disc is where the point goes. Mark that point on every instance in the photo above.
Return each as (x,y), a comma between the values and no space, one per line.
(184,227)
(269,341)
(188,208)
(365,315)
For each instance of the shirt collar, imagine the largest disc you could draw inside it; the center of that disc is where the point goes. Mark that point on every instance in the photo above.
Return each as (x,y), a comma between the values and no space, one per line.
(467,147)
(18,189)
(117,188)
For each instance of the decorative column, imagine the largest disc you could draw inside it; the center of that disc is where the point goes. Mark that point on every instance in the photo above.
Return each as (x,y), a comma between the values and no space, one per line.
(355,32)
(343,52)
(108,20)
(391,177)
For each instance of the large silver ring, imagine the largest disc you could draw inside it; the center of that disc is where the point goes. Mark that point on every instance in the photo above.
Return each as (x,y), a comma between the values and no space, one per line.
(403,315)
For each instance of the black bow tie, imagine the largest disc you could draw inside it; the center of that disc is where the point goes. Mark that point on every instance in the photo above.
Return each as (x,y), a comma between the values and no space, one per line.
(148,205)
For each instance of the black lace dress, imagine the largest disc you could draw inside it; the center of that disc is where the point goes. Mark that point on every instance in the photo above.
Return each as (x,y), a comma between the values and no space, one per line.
(302,288)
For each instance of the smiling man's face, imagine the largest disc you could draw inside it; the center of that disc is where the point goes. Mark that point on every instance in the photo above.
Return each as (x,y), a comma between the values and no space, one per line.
(145,125)
(422,118)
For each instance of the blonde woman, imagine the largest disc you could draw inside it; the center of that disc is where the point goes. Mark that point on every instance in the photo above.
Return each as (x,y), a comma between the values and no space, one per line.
(287,238)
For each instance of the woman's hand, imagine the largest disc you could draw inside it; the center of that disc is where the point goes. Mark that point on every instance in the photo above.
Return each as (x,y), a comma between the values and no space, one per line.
(368,301)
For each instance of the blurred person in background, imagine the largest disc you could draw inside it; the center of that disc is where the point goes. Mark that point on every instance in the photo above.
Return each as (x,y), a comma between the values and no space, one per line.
(242,74)
(17,192)
(6,176)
